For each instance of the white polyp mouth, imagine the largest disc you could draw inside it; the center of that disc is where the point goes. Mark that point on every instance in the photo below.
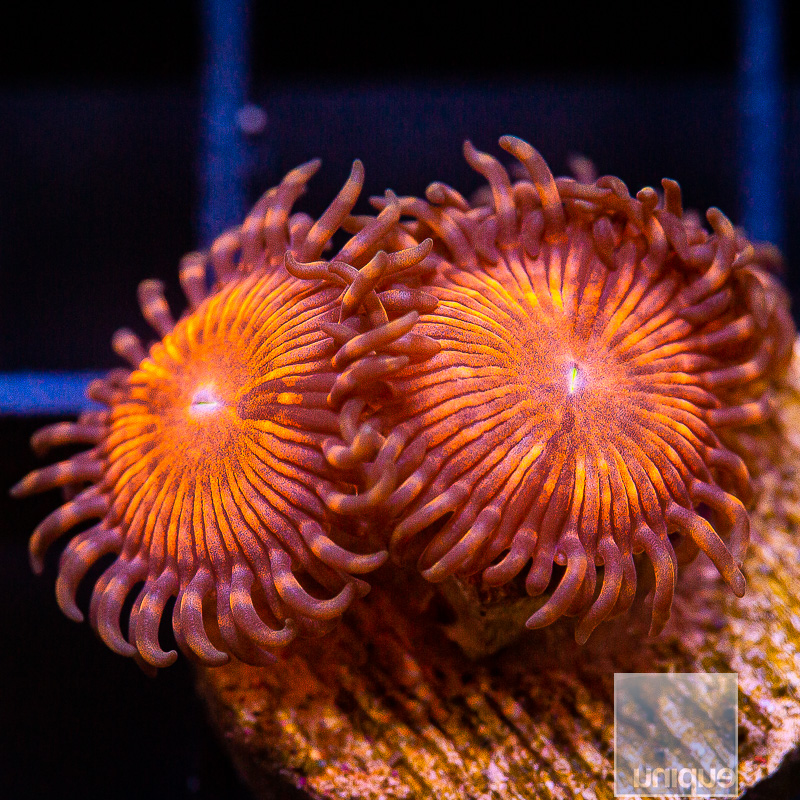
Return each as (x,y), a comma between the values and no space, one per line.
(575,378)
(205,401)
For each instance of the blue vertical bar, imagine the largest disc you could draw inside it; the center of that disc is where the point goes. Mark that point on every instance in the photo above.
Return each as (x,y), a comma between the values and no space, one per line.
(762,119)
(224,159)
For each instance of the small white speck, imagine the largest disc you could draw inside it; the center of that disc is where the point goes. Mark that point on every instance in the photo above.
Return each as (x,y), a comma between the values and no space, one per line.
(204,401)
(574,379)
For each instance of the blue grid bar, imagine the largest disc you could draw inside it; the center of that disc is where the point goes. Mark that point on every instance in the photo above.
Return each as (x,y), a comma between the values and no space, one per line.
(762,120)
(56,393)
(224,162)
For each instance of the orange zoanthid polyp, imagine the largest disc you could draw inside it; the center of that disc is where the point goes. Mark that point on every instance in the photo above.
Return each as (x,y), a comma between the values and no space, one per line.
(217,470)
(599,354)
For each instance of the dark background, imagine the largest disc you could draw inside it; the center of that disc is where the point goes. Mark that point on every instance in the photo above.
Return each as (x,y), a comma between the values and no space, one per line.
(100,148)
